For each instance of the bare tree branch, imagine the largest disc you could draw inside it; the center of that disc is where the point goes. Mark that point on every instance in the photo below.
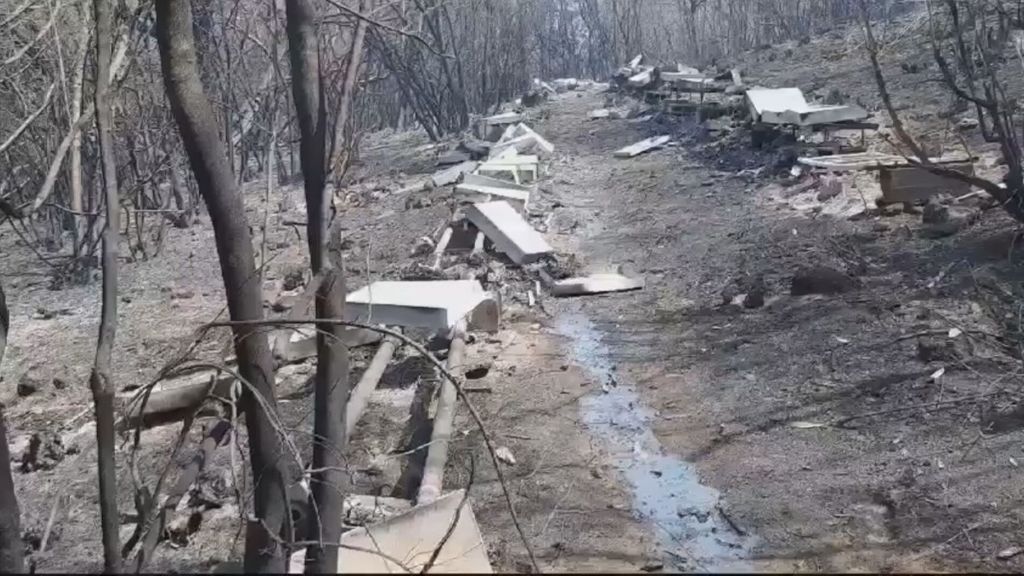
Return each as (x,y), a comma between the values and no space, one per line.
(24,125)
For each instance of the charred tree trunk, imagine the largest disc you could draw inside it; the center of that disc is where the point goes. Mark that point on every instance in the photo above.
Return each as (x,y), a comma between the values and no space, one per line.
(348,90)
(76,188)
(12,551)
(207,156)
(331,384)
(101,380)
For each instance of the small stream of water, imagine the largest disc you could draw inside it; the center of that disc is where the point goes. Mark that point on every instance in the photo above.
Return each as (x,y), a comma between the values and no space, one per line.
(667,491)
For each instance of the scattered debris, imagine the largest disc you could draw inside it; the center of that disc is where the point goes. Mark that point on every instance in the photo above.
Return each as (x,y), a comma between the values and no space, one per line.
(29,383)
(1011,552)
(608,114)
(43,314)
(505,455)
(294,278)
(940,221)
(968,123)
(643,146)
(872,161)
(477,188)
(698,514)
(807,425)
(44,451)
(477,149)
(953,351)
(183,294)
(789,106)
(420,271)
(593,284)
(523,140)
(478,371)
(517,166)
(451,175)
(829,187)
(363,510)
(537,93)
(453,157)
(413,536)
(645,77)
(492,127)
(486,317)
(565,84)
(913,184)
(425,245)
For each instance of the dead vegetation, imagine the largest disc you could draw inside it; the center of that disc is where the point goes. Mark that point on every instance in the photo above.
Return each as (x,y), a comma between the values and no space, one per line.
(781,262)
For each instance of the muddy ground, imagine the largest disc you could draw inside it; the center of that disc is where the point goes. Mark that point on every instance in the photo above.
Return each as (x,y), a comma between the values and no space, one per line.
(663,429)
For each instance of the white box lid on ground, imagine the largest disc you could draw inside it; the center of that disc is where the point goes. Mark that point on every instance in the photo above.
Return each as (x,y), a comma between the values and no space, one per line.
(437,305)
(508,231)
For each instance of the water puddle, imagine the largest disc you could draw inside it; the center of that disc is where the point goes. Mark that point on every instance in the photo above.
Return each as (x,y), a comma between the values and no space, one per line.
(667,492)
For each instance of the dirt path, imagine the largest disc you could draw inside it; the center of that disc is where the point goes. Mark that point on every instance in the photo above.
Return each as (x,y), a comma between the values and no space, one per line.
(694,423)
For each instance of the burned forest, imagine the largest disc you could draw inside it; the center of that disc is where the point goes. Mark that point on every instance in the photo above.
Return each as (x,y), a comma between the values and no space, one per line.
(371,286)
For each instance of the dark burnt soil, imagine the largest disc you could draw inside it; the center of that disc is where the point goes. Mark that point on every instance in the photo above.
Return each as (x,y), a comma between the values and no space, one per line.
(815,416)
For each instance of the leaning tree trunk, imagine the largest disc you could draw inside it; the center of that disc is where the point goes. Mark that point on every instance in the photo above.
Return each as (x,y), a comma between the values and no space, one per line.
(101,380)
(331,387)
(12,551)
(196,122)
(342,136)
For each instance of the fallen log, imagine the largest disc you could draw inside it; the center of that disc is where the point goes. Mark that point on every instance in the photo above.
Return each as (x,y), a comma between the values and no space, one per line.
(214,438)
(360,396)
(172,400)
(437,454)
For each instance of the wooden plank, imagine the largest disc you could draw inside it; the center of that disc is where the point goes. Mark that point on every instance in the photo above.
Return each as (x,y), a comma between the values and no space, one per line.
(643,146)
(872,160)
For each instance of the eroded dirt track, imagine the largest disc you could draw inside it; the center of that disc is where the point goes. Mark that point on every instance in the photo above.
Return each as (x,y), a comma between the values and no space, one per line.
(710,399)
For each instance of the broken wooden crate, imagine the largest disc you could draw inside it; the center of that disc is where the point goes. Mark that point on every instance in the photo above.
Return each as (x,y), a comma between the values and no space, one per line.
(508,231)
(915,184)
(523,140)
(452,175)
(522,168)
(900,180)
(492,127)
(789,106)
